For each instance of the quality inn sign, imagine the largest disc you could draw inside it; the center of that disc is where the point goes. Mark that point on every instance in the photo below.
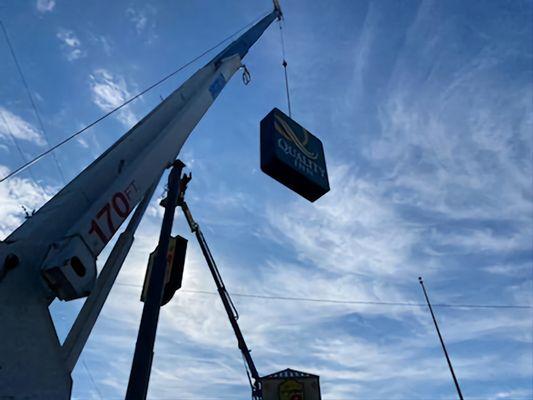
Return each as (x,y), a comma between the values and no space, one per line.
(293,156)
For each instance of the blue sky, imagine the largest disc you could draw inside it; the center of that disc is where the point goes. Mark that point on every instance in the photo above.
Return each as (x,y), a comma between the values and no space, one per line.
(425,112)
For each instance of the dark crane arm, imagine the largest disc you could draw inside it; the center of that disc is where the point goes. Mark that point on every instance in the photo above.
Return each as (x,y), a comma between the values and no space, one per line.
(233,316)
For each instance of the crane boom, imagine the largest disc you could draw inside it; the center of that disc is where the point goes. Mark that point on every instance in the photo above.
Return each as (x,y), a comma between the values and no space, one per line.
(61,242)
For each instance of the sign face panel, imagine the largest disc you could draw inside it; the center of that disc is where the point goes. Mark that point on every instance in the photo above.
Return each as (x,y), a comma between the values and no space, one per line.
(177,248)
(293,156)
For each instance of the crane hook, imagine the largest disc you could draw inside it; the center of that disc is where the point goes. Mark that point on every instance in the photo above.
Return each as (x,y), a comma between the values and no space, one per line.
(246,77)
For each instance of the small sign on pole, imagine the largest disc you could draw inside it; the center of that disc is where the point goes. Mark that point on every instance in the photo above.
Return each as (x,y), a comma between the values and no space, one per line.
(177,248)
(293,156)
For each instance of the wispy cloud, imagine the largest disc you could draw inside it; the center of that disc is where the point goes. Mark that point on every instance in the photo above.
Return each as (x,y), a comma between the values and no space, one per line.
(110,90)
(45,6)
(71,45)
(143,19)
(511,394)
(14,125)
(510,269)
(138,18)
(353,229)
(102,42)
(16,193)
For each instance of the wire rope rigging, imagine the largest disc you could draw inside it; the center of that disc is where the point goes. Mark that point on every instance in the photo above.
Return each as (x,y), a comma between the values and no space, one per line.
(285,64)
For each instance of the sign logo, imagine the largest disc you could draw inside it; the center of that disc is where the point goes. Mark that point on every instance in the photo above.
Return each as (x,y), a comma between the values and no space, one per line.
(291,390)
(285,130)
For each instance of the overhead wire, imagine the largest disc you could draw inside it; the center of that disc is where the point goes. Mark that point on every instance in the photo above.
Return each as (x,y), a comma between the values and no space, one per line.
(16,144)
(128,101)
(365,302)
(32,101)
(355,302)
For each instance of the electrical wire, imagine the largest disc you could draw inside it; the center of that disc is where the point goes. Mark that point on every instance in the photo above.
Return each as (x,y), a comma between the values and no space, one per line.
(128,101)
(16,144)
(356,302)
(30,97)
(364,302)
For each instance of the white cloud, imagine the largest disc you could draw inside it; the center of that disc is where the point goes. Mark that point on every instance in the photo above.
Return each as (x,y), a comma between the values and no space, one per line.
(510,269)
(71,45)
(82,142)
(511,394)
(109,91)
(12,124)
(15,193)
(352,229)
(138,18)
(103,42)
(363,47)
(44,6)
(144,21)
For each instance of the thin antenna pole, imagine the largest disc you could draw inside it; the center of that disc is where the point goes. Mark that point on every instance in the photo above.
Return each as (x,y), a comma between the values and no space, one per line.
(441,340)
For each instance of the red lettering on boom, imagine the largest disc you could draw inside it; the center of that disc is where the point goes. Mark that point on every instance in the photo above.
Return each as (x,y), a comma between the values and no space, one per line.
(119,205)
(95,228)
(124,209)
(107,211)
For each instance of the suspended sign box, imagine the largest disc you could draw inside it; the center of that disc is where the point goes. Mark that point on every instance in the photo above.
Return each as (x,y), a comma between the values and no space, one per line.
(177,248)
(293,156)
(290,384)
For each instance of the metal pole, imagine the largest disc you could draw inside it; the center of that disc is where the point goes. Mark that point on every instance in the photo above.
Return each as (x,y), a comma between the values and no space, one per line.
(142,359)
(441,340)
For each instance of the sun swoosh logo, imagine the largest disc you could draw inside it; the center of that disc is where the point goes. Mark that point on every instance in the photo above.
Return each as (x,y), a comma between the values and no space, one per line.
(284,129)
